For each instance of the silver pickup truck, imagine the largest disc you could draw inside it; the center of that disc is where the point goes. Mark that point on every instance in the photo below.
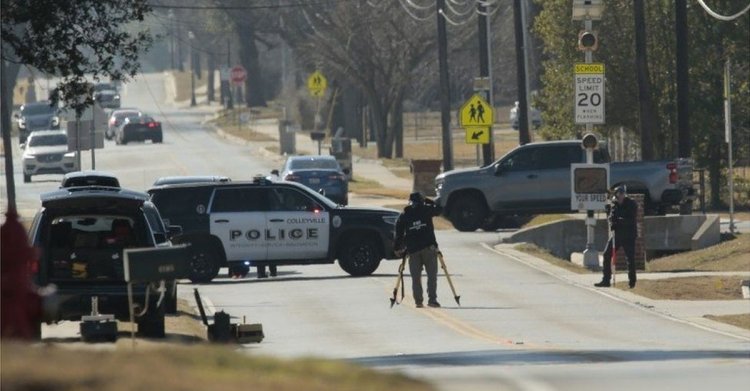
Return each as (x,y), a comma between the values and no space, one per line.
(535,179)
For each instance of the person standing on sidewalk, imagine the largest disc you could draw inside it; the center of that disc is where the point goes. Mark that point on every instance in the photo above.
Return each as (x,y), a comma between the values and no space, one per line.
(415,234)
(622,221)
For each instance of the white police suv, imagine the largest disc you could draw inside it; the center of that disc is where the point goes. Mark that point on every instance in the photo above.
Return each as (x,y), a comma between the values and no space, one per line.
(266,223)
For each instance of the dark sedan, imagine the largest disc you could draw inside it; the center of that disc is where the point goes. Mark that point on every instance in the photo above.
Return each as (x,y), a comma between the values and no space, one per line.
(139,128)
(320,173)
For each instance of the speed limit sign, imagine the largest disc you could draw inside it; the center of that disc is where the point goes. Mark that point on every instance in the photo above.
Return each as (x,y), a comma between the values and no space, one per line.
(589,97)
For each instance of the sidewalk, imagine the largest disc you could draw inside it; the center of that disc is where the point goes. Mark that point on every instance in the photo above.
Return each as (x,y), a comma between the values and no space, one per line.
(684,311)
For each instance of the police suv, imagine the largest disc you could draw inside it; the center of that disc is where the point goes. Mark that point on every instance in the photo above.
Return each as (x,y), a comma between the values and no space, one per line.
(267,223)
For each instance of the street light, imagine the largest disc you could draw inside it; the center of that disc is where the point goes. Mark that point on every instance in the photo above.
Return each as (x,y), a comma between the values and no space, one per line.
(191,37)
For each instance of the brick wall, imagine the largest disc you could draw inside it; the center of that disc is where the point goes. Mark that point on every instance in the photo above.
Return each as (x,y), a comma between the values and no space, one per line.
(424,172)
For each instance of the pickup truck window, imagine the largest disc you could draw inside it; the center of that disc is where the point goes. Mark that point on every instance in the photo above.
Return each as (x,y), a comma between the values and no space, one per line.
(525,159)
(560,156)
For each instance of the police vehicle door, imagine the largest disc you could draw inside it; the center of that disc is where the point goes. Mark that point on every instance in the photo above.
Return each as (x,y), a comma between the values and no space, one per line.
(238,218)
(298,226)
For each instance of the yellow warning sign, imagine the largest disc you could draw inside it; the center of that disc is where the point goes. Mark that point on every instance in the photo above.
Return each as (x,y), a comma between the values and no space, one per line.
(476,112)
(478,135)
(583,68)
(317,84)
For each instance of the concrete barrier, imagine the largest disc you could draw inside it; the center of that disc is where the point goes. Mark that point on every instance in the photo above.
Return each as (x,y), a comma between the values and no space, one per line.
(661,233)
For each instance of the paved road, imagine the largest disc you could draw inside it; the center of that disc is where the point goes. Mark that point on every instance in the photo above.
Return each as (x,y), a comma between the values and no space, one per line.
(518,328)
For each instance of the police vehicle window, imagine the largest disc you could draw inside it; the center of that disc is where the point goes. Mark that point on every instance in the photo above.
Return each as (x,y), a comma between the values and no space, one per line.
(181,201)
(526,159)
(242,199)
(285,199)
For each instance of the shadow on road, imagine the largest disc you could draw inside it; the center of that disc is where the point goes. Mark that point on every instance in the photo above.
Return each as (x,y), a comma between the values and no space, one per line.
(525,357)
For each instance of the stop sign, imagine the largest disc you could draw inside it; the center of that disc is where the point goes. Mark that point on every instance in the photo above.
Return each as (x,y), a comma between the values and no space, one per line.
(238,74)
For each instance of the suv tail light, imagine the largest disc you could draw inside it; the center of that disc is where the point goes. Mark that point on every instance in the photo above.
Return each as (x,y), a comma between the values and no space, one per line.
(152,124)
(336,177)
(672,167)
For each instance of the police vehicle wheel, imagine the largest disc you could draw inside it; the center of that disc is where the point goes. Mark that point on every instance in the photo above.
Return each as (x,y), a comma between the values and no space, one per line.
(468,213)
(360,256)
(204,265)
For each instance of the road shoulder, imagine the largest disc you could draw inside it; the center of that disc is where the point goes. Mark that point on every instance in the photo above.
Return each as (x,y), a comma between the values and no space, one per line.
(686,312)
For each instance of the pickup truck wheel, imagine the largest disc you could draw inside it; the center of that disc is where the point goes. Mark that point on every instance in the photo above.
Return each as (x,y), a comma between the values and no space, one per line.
(204,264)
(360,256)
(468,213)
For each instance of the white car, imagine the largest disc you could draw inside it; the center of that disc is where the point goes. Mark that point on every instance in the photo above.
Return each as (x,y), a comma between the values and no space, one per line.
(46,152)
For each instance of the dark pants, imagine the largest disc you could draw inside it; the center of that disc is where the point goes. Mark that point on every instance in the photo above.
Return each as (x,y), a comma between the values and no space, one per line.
(627,242)
(426,258)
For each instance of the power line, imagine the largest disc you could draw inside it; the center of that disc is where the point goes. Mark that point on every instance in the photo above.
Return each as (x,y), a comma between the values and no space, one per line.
(245,7)
(722,17)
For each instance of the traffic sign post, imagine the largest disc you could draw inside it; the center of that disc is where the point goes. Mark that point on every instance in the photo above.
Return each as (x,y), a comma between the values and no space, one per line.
(317,84)
(476,117)
(589,97)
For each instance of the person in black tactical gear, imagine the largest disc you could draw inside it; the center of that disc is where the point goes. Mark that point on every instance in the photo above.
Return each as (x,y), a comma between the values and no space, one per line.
(622,221)
(415,235)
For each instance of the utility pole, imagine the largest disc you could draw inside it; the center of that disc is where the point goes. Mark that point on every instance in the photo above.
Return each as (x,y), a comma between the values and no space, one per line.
(230,102)
(647,119)
(683,82)
(485,71)
(445,100)
(728,139)
(5,121)
(523,112)
(193,102)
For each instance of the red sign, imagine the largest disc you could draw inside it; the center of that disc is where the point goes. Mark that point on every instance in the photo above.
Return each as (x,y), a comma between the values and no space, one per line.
(238,74)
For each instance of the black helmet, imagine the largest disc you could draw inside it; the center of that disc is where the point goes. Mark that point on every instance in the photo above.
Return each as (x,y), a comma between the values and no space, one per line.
(416,198)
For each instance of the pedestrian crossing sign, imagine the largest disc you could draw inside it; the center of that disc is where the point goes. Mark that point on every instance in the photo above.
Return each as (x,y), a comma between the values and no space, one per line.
(317,84)
(476,112)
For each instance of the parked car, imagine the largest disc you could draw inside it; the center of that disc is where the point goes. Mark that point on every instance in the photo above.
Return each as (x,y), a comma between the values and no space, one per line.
(89,178)
(99,87)
(535,179)
(175,180)
(265,223)
(139,127)
(108,99)
(46,152)
(320,173)
(536,117)
(36,116)
(82,233)
(116,118)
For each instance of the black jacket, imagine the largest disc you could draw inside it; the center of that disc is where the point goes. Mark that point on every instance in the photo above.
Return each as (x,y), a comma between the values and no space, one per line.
(414,229)
(622,218)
